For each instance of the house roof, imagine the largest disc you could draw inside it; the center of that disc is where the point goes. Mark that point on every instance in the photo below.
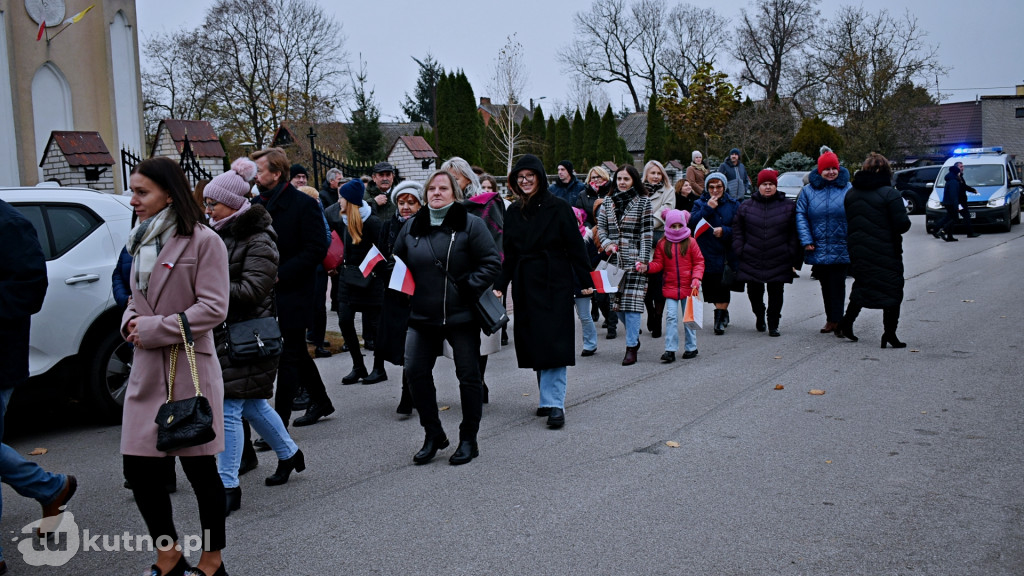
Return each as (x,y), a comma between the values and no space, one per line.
(489,110)
(80,148)
(633,129)
(610,166)
(957,123)
(675,165)
(418,145)
(201,136)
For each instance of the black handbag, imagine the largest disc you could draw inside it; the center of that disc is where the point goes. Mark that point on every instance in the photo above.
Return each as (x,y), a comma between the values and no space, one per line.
(254,340)
(353,276)
(488,310)
(184,423)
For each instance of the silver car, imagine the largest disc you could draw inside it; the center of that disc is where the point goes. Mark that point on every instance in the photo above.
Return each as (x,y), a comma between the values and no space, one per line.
(790,183)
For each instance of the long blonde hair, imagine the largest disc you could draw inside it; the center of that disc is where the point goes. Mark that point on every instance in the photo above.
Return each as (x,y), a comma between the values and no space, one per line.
(355,222)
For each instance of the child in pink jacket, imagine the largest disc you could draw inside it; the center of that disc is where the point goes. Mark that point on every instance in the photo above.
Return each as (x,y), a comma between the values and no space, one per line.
(679,260)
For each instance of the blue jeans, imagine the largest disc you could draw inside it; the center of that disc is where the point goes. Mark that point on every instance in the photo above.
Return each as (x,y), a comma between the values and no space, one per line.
(632,322)
(587,321)
(552,387)
(27,478)
(267,424)
(672,313)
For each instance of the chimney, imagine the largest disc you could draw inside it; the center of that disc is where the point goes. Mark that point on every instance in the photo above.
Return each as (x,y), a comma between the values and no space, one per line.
(485,101)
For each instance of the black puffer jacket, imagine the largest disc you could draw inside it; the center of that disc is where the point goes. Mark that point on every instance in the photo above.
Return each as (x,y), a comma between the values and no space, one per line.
(462,245)
(252,265)
(764,239)
(876,221)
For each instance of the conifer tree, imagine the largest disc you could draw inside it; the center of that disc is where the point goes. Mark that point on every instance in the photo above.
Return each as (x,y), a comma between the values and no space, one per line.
(563,141)
(608,139)
(549,145)
(577,156)
(654,145)
(591,132)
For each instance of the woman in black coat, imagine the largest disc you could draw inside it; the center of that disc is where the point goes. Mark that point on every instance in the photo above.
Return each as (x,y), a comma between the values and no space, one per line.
(876,221)
(542,253)
(360,230)
(453,260)
(767,247)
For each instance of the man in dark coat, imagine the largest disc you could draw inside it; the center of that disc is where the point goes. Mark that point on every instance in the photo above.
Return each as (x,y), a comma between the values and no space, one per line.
(567,187)
(298,221)
(329,189)
(953,197)
(737,181)
(378,192)
(542,254)
(22,288)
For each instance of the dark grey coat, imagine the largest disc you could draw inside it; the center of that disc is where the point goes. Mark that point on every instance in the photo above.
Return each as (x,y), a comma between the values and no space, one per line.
(876,222)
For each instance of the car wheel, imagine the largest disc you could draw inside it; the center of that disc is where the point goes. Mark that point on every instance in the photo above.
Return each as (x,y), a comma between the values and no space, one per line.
(911,202)
(110,366)
(1016,219)
(1008,219)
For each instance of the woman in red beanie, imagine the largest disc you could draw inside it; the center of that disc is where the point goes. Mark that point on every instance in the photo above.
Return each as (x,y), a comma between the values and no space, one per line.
(767,247)
(821,224)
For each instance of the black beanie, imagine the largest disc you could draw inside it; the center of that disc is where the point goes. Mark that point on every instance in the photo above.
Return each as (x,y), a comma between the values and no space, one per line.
(568,166)
(298,169)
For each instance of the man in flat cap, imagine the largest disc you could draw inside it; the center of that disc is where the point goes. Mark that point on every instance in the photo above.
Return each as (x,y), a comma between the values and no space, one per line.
(378,192)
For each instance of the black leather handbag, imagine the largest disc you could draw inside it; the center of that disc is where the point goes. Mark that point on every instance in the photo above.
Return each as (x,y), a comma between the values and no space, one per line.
(184,423)
(254,340)
(488,310)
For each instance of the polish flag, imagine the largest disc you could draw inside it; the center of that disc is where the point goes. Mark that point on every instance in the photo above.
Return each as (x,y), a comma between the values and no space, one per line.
(601,282)
(372,258)
(702,227)
(401,278)
(42,27)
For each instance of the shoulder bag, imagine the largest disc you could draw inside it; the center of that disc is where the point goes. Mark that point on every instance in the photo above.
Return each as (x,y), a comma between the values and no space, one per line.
(488,310)
(184,423)
(254,340)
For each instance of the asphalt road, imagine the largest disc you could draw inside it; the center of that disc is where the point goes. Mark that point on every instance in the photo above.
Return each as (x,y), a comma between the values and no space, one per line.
(910,463)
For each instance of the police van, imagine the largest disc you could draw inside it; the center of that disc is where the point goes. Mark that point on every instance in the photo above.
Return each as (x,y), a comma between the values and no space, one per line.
(996,200)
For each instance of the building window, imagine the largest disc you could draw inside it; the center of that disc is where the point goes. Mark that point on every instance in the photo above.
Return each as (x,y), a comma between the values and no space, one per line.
(1020,113)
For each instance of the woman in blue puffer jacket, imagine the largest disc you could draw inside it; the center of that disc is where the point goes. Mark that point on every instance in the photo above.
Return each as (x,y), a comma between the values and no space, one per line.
(718,209)
(821,224)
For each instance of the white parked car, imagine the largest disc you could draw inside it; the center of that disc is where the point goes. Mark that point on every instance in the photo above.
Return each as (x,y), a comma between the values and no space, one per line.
(75,336)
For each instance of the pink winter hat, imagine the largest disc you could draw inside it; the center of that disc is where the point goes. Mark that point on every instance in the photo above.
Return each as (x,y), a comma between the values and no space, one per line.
(232,187)
(676,217)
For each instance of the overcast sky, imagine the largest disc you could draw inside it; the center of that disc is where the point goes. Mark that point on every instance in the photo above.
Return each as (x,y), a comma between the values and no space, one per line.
(979,41)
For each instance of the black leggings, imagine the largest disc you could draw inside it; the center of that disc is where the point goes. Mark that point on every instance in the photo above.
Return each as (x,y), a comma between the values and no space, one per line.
(148,475)
(347,323)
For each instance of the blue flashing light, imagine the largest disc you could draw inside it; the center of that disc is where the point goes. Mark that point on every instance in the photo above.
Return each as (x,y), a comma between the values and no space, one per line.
(986,150)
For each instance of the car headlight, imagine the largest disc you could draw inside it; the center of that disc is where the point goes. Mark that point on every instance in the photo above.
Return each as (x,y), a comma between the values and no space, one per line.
(934,203)
(996,201)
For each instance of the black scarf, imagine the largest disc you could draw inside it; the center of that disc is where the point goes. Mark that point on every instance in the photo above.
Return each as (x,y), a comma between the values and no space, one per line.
(621,200)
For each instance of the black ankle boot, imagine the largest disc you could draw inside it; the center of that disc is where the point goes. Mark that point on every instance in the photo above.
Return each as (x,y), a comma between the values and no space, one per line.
(759,323)
(284,469)
(466,451)
(232,500)
(845,329)
(725,318)
(719,329)
(358,373)
(773,327)
(431,444)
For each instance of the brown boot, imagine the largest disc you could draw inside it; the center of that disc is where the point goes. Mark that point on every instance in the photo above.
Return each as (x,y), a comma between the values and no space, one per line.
(630,358)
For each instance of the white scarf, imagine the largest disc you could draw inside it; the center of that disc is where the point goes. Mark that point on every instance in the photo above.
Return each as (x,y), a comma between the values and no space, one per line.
(145,242)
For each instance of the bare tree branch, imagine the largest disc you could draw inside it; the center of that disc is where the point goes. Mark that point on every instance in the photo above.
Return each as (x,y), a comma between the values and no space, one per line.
(772,43)
(694,38)
(508,84)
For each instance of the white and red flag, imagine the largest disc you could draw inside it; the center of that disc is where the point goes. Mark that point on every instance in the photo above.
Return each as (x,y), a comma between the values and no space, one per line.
(601,282)
(372,258)
(702,227)
(401,278)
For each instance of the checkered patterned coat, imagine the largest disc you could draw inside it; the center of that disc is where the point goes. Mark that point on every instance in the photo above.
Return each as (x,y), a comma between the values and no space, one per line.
(634,235)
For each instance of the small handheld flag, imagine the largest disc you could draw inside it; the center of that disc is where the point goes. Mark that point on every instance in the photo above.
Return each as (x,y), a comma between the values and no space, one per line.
(42,28)
(702,227)
(401,278)
(372,258)
(601,282)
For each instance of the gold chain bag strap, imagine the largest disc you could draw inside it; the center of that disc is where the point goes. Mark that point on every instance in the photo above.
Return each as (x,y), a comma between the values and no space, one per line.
(189,422)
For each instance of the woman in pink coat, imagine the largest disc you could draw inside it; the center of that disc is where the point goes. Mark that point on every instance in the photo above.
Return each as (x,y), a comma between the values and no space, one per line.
(179,265)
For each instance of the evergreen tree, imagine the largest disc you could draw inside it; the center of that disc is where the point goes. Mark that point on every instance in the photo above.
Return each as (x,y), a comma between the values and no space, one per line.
(591,132)
(549,145)
(622,156)
(538,133)
(421,108)
(608,139)
(577,156)
(459,126)
(364,136)
(563,141)
(654,145)
(813,134)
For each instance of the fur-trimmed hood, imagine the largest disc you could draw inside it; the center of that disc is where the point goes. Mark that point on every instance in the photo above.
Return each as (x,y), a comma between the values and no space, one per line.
(253,221)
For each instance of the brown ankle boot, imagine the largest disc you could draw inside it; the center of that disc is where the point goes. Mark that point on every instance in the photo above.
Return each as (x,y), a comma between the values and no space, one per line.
(630,358)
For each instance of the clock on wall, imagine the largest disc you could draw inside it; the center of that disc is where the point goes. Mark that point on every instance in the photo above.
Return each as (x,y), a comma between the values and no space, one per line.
(50,11)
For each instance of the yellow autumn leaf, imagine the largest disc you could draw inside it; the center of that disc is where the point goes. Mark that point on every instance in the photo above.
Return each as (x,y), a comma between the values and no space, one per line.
(779,387)
(828,461)
(445,408)
(38,452)
(672,444)
(816,392)
(778,357)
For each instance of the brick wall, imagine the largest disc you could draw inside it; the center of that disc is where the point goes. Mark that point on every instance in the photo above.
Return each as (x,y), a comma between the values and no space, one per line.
(56,166)
(1001,127)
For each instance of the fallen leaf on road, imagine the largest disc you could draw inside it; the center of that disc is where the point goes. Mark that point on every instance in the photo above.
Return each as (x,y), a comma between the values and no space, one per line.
(38,452)
(931,291)
(923,412)
(914,350)
(968,300)
(778,357)
(816,392)
(779,386)
(527,394)
(445,408)
(672,444)
(828,461)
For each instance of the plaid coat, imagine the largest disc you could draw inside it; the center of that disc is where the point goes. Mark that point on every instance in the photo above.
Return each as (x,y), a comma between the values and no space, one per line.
(634,235)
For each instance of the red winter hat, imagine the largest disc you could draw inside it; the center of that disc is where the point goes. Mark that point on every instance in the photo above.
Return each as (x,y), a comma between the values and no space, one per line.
(768,175)
(828,159)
